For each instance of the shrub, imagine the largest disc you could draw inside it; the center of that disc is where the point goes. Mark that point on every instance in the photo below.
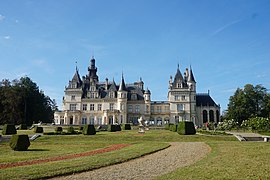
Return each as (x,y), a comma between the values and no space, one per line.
(171,127)
(228,125)
(174,127)
(9,129)
(38,129)
(89,129)
(186,128)
(19,142)
(126,126)
(111,128)
(58,129)
(81,128)
(118,127)
(257,123)
(71,130)
(23,127)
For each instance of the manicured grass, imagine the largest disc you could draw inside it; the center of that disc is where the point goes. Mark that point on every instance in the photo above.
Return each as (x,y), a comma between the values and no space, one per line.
(229,160)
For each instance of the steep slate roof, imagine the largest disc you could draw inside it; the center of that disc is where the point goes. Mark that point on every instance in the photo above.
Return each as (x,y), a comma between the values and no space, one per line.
(76,77)
(122,86)
(191,77)
(204,100)
(113,86)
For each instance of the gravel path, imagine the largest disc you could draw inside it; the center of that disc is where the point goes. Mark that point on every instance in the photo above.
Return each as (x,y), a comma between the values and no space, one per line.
(179,154)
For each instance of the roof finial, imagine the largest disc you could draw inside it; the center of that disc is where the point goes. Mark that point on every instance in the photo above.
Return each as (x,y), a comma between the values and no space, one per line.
(76,66)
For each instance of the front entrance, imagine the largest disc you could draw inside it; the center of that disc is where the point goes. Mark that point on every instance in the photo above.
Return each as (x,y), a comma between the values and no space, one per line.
(110,120)
(71,120)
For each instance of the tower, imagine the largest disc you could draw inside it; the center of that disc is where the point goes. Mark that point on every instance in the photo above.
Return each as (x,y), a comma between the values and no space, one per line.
(181,96)
(122,101)
(92,71)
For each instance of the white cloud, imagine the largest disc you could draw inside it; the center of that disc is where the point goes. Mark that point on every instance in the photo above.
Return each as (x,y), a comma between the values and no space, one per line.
(2,17)
(226,26)
(7,37)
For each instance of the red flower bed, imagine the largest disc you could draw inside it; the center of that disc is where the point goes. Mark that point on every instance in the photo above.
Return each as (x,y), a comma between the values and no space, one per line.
(60,158)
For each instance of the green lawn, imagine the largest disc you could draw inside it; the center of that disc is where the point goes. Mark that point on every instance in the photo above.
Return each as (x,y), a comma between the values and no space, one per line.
(229,159)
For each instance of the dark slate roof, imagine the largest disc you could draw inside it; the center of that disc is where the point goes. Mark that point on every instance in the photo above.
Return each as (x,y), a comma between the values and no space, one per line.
(122,86)
(76,77)
(204,100)
(191,77)
(134,90)
(113,86)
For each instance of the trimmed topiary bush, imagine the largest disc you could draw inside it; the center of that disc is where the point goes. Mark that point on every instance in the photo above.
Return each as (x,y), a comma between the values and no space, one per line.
(126,126)
(58,130)
(186,128)
(19,142)
(71,130)
(9,129)
(89,129)
(174,127)
(23,127)
(81,128)
(112,128)
(38,129)
(118,127)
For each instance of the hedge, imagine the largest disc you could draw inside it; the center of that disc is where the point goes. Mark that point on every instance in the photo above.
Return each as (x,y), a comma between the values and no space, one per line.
(186,128)
(167,126)
(9,129)
(126,126)
(114,128)
(19,142)
(38,129)
(89,129)
(173,127)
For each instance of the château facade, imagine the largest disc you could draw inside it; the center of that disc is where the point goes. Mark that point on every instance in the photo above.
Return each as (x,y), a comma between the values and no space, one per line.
(89,101)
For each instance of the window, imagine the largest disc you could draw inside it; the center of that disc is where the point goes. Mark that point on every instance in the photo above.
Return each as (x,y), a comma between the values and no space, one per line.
(72,107)
(167,109)
(92,95)
(73,97)
(99,107)
(92,107)
(147,108)
(84,107)
(183,98)
(137,108)
(159,109)
(73,85)
(176,97)
(84,120)
(122,107)
(92,88)
(111,94)
(99,120)
(130,108)
(180,107)
(152,109)
(111,106)
(92,120)
(194,97)
(134,97)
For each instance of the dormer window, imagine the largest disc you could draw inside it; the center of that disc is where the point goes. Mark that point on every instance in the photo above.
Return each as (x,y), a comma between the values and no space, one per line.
(73,97)
(111,94)
(92,88)
(134,97)
(73,85)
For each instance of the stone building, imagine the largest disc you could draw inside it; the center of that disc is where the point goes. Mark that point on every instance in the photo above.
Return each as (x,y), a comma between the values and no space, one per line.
(89,101)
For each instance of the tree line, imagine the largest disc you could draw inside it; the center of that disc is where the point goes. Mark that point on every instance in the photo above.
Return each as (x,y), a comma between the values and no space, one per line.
(249,102)
(22,102)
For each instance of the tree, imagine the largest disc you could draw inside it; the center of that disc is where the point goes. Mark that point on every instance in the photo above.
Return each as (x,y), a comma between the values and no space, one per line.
(22,102)
(248,102)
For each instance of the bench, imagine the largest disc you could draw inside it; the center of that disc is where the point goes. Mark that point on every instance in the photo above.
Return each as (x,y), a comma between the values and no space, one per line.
(266,138)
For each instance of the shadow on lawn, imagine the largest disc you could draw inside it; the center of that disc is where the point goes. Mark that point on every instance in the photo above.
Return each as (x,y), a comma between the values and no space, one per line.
(38,150)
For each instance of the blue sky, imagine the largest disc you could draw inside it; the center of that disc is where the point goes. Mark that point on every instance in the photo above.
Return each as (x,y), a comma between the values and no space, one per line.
(227,43)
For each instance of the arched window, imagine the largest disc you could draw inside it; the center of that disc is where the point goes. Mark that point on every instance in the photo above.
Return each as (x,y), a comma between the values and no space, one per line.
(217,114)
(110,119)
(211,116)
(205,116)
(159,121)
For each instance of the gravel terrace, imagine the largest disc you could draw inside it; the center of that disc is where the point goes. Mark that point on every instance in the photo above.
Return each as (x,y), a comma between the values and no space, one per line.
(179,154)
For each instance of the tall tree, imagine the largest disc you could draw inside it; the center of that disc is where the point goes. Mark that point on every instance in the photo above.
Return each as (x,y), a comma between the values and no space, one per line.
(21,101)
(249,102)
